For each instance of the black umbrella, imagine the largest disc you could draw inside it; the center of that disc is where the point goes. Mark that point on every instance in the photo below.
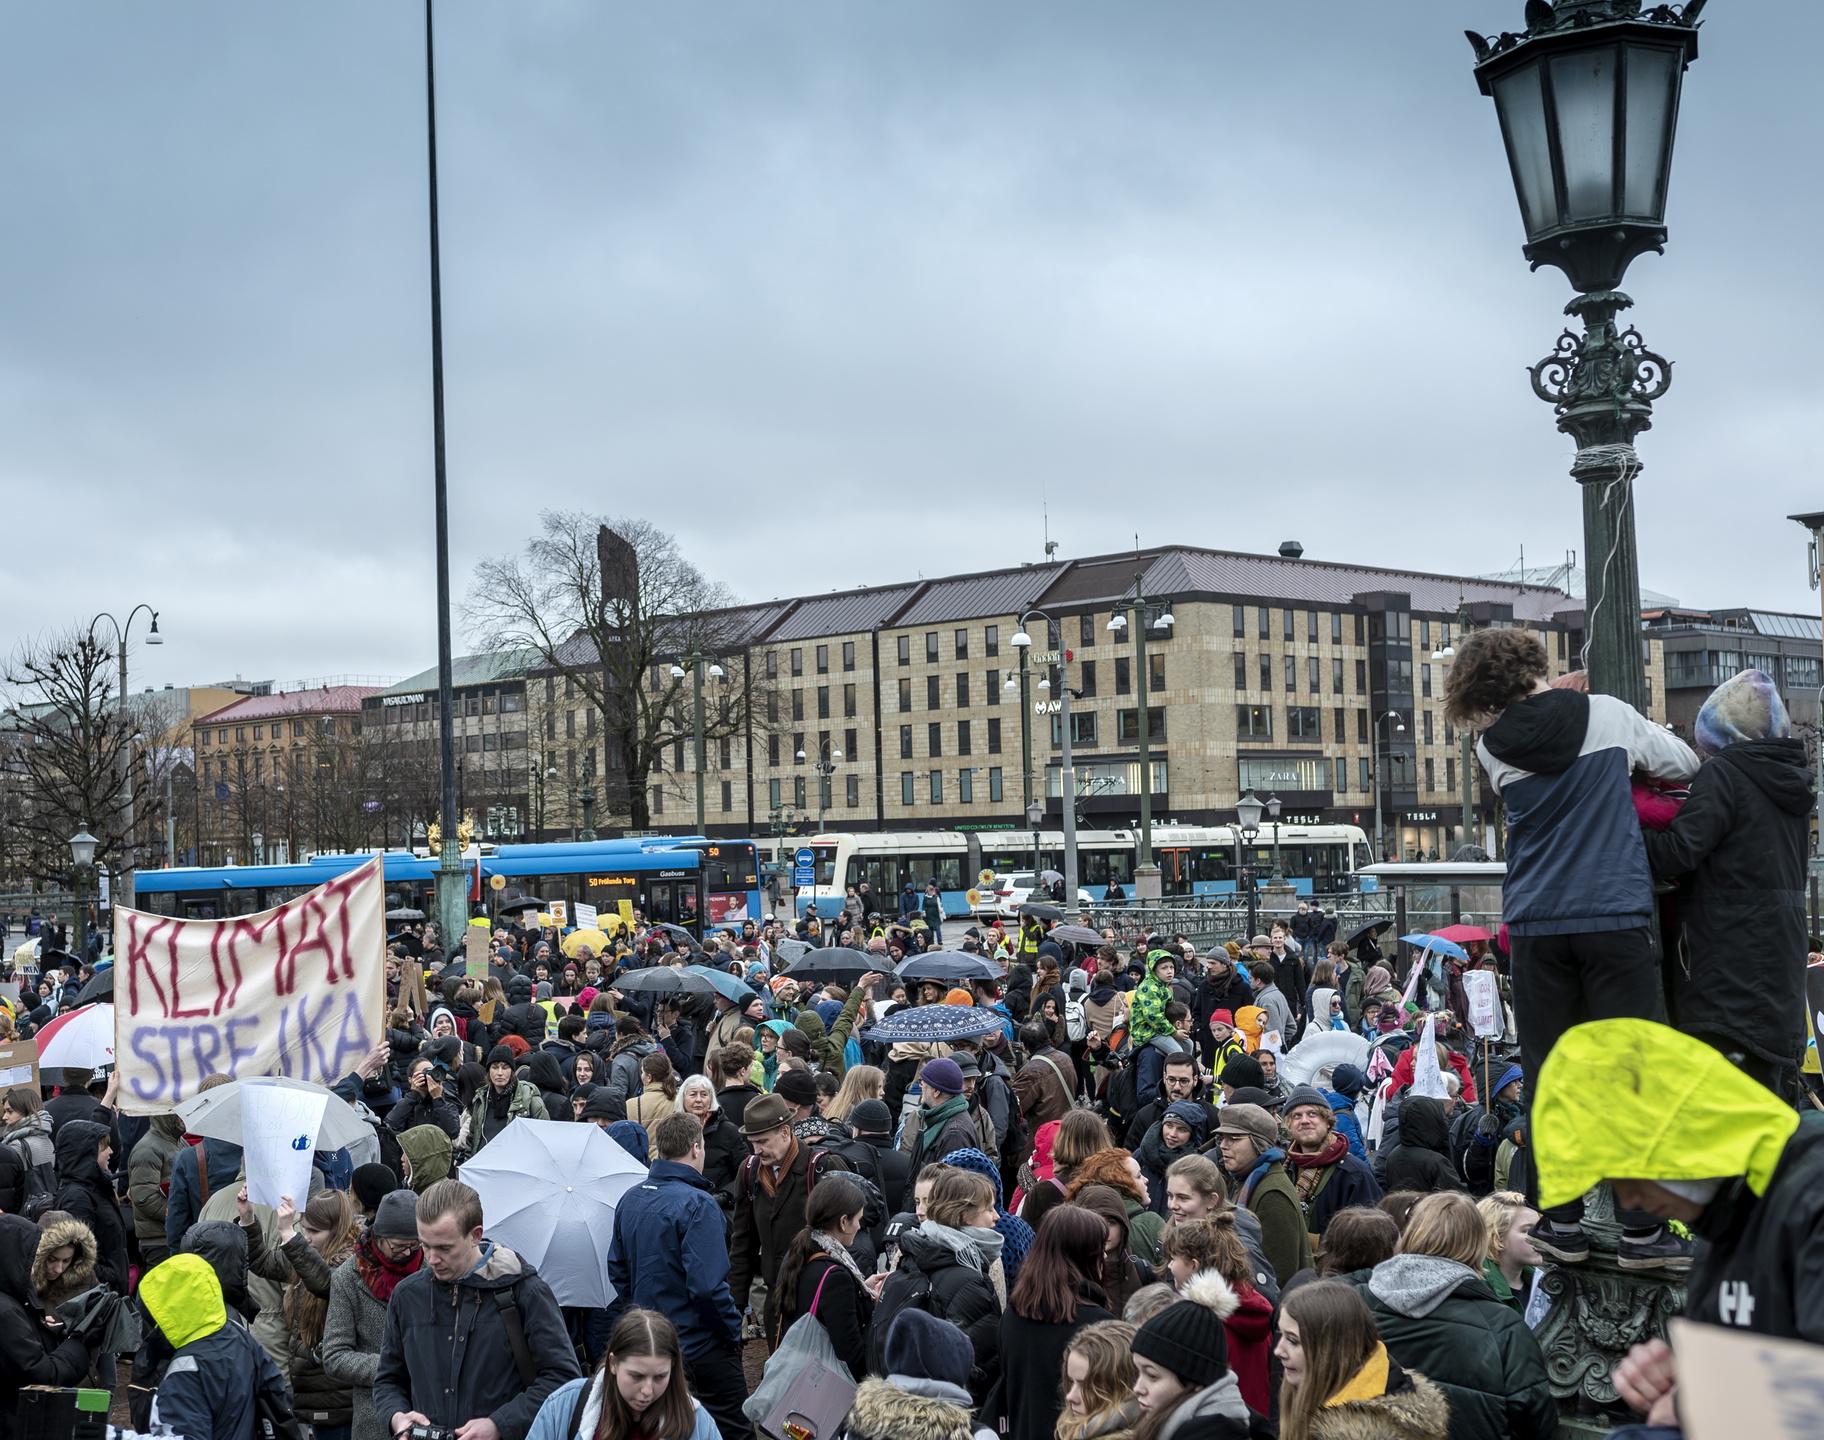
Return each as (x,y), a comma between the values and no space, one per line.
(663,978)
(949,965)
(1373,927)
(524,902)
(838,963)
(1041,912)
(100,988)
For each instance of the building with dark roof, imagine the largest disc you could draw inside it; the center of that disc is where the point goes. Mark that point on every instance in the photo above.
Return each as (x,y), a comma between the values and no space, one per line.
(1703,648)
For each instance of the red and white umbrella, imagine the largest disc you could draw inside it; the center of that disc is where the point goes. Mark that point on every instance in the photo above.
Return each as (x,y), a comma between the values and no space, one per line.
(80,1040)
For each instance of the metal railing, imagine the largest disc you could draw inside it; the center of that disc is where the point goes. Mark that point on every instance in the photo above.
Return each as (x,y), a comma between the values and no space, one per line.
(1209,920)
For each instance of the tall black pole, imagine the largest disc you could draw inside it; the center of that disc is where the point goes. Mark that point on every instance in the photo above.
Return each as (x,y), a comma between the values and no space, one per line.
(452,887)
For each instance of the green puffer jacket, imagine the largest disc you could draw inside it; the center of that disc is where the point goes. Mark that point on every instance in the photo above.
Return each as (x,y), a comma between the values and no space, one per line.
(526,1102)
(1440,1318)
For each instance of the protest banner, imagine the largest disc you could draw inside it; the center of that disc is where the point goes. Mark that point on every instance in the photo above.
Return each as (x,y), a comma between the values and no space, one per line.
(278,1135)
(19,1064)
(1427,1074)
(1484,993)
(298,991)
(1733,1383)
(585,916)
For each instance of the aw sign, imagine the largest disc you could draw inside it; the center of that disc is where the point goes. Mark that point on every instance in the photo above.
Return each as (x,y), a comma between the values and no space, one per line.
(299,991)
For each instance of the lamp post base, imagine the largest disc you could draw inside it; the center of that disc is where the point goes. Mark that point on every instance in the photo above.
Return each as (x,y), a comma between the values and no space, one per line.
(1147,883)
(452,900)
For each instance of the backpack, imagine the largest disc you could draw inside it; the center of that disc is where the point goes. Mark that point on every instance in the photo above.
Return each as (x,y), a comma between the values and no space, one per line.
(1122,1098)
(1472,1154)
(907,1288)
(39,1187)
(1076,1022)
(813,1172)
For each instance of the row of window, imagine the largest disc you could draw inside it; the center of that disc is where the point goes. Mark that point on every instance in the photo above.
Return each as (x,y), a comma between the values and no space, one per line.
(1399,674)
(300,729)
(425,710)
(1305,722)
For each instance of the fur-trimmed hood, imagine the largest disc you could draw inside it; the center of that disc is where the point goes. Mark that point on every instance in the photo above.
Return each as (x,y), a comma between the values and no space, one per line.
(1418,1413)
(886,1412)
(81,1274)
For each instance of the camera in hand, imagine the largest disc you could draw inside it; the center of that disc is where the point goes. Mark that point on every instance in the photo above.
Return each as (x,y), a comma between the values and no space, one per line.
(430,1432)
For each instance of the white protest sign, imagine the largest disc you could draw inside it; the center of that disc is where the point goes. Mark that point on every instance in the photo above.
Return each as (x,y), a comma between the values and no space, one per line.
(585,916)
(1484,994)
(278,1133)
(299,991)
(1427,1078)
(560,913)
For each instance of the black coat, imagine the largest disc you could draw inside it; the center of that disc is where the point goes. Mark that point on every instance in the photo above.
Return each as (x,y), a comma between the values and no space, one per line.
(29,1353)
(724,1148)
(960,1294)
(1032,1360)
(1739,844)
(845,1309)
(893,1168)
(1764,1248)
(88,1194)
(1421,1161)
(733,1098)
(12,1180)
(765,1225)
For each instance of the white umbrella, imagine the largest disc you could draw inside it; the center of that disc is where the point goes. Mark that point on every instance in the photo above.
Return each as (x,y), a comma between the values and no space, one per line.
(216,1114)
(80,1040)
(548,1190)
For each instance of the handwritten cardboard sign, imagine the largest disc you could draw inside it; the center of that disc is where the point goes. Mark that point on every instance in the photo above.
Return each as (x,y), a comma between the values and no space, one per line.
(298,991)
(19,1064)
(1733,1383)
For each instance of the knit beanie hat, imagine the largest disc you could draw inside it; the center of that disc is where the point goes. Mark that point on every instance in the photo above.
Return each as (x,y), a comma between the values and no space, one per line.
(501,1055)
(871,1117)
(372,1183)
(798,1087)
(926,1348)
(1306,1095)
(396,1218)
(1348,1080)
(1187,1338)
(959,997)
(1745,707)
(942,1074)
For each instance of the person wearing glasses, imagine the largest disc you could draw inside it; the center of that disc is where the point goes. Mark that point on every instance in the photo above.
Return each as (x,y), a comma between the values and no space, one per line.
(359,1290)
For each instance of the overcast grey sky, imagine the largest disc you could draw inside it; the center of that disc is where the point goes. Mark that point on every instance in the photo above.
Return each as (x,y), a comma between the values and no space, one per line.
(836,291)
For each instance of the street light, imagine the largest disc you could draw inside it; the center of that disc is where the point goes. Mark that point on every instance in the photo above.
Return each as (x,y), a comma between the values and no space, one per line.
(82,856)
(1273,814)
(825,768)
(1247,811)
(1034,813)
(1067,768)
(695,660)
(128,827)
(1146,874)
(1380,835)
(1587,97)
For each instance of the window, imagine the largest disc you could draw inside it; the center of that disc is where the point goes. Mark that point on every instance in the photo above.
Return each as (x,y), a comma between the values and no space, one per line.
(726,760)
(1366,778)
(1304,722)
(823,659)
(1311,626)
(1428,738)
(510,704)
(1361,637)
(258,736)
(1431,779)
(1252,722)
(994,784)
(798,791)
(1336,677)
(1127,723)
(797,704)
(1450,773)
(1291,673)
(905,649)
(1083,727)
(823,747)
(906,797)
(1086,630)
(1086,678)
(1155,669)
(848,701)
(490,741)
(1240,616)
(823,702)
(570,724)
(934,699)
(728,796)
(848,745)
(934,739)
(965,786)
(798,748)
(658,799)
(1266,674)
(994,687)
(1425,681)
(905,697)
(1265,631)
(1291,616)
(931,647)
(1450,735)
(589,717)
(1313,682)
(994,737)
(1361,727)
(1340,726)
(852,788)
(962,690)
(203,736)
(1361,677)
(797,662)
(240,734)
(962,644)
(772,751)
(1425,634)
(1123,675)
(1336,627)
(962,737)
(1241,670)
(772,793)
(772,707)
(937,787)
(991,641)
(905,742)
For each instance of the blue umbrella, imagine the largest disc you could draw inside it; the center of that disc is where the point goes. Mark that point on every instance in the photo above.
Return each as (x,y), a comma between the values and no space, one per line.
(919,1023)
(949,965)
(1437,944)
(725,983)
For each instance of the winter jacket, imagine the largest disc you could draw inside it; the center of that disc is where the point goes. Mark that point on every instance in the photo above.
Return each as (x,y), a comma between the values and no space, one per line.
(427,1150)
(149,1179)
(319,1398)
(266,1299)
(904,1407)
(544,1071)
(223,1246)
(1032,1359)
(1561,763)
(205,1394)
(1440,1318)
(893,1170)
(669,1253)
(1230,993)
(458,1374)
(188,1195)
(1283,1237)
(650,1106)
(1045,1093)
(623,1073)
(724,1148)
(553,1421)
(30,1139)
(415,1109)
(1347,1183)
(1696,1118)
(765,1225)
(1383,1401)
(87,1193)
(1421,1161)
(733,1100)
(526,1103)
(960,1293)
(1738,846)
(29,1353)
(78,1277)
(844,1308)
(350,1352)
(1250,1335)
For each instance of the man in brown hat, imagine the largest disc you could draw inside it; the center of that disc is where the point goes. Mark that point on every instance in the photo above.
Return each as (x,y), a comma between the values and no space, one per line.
(770,1191)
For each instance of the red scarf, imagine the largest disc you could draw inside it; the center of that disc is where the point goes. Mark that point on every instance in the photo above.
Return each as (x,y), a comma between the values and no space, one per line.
(1308,1170)
(378,1273)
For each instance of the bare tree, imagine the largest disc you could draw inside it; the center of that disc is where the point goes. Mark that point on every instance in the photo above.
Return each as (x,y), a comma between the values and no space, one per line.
(611,607)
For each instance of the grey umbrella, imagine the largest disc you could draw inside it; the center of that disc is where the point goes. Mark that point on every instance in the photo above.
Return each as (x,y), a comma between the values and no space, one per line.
(216,1114)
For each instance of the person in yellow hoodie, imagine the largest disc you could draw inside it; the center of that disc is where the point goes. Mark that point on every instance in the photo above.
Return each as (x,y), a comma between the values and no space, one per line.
(205,1394)
(1680,1132)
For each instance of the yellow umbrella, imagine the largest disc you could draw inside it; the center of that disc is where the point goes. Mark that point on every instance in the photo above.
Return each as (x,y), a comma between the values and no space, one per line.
(24,952)
(576,939)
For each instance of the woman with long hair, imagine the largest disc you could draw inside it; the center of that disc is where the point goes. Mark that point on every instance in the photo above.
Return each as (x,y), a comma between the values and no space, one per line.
(956,1253)
(638,1392)
(323,1236)
(1123,1272)
(819,1275)
(1059,1292)
(1079,1135)
(861,1082)
(1339,1381)
(724,1146)
(1099,1376)
(1118,1170)
(658,1095)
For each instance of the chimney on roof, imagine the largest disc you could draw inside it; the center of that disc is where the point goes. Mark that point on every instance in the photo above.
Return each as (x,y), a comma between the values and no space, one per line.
(1290,550)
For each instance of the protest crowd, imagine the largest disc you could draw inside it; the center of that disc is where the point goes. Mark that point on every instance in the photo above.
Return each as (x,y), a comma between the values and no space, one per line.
(1019,1184)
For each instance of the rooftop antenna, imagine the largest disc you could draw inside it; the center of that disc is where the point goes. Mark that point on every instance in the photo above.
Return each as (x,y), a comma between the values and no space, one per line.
(1051,546)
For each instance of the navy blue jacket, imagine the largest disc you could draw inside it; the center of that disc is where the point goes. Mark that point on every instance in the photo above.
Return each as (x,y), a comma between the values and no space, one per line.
(1561,762)
(205,1394)
(670,1254)
(185,1203)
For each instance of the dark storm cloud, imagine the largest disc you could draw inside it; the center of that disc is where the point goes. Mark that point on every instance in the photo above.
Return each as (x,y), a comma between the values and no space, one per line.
(838,292)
